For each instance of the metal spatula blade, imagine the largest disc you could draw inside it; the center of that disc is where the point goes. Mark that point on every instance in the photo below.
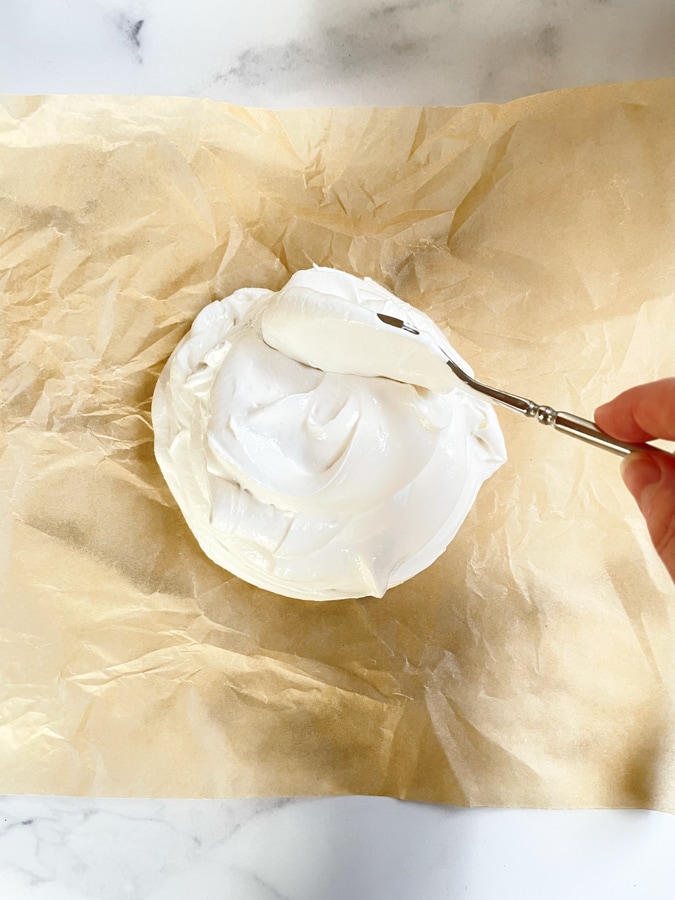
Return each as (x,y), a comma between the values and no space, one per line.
(575,426)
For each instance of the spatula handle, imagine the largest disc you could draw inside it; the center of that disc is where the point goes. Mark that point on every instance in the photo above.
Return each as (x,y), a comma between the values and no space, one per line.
(585,430)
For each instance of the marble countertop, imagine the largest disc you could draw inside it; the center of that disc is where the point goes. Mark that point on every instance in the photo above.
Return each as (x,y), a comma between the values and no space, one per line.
(311,53)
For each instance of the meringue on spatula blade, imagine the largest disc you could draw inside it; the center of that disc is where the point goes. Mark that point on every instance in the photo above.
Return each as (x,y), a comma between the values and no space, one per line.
(328,334)
(300,476)
(335,335)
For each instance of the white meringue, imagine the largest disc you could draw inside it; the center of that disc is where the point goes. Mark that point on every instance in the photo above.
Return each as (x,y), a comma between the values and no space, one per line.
(308,480)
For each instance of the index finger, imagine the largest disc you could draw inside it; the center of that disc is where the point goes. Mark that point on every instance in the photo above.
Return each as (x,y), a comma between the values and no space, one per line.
(641,413)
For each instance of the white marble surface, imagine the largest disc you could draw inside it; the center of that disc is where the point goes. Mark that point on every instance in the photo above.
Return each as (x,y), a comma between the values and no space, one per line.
(307,53)
(331,52)
(350,848)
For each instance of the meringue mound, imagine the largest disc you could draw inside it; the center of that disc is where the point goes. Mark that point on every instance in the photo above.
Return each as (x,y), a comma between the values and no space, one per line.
(314,450)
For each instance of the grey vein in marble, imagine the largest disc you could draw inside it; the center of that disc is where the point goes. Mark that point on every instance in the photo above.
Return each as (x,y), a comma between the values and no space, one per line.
(459,52)
(371,42)
(131,32)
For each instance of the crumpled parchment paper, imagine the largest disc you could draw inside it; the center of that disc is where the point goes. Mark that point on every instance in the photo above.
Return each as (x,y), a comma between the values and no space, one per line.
(532,665)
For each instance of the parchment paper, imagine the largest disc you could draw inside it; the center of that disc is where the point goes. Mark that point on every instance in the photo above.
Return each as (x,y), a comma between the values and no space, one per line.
(532,665)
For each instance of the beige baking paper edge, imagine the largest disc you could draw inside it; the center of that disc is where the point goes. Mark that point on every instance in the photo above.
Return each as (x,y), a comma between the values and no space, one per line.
(532,665)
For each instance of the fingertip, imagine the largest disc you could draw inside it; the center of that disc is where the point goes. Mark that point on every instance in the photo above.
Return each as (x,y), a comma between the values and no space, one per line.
(616,419)
(641,413)
(600,412)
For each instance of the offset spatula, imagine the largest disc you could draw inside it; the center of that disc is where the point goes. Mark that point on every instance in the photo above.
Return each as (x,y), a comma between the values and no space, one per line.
(582,429)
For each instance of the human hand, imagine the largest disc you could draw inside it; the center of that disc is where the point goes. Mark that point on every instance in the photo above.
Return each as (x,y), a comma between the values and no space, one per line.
(642,414)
